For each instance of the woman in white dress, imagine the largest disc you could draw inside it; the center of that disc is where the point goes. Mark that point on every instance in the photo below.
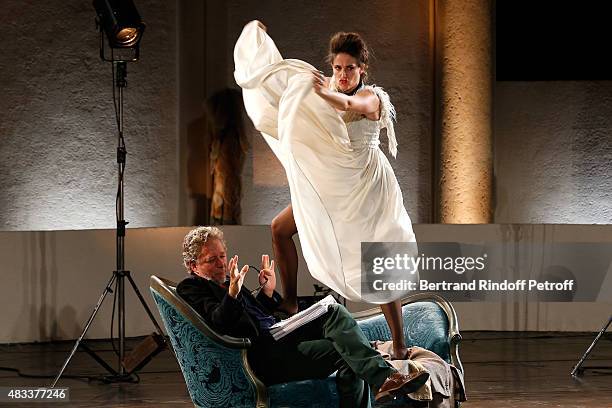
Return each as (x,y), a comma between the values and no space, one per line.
(325,132)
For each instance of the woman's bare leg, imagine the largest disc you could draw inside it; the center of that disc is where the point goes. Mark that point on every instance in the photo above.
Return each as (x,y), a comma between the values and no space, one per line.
(285,254)
(393,314)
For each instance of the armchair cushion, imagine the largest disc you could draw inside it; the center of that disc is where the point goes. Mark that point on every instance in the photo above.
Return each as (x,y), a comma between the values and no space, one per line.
(425,325)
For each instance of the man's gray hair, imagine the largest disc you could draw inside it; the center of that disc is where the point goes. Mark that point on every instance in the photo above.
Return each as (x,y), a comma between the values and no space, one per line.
(195,240)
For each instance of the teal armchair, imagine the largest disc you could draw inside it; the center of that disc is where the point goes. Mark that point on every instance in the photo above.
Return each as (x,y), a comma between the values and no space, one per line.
(217,372)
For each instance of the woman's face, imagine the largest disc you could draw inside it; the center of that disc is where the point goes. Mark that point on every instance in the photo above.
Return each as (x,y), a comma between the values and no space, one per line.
(347,72)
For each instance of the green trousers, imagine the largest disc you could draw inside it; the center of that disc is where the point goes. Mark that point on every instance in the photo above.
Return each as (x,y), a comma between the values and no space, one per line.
(332,342)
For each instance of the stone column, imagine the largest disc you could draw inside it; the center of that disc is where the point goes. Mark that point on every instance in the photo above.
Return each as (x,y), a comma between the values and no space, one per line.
(464,70)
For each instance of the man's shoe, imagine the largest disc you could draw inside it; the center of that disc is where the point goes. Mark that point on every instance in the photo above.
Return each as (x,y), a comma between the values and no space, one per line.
(400,384)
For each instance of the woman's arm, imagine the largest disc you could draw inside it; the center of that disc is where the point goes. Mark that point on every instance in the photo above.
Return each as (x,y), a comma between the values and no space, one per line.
(364,102)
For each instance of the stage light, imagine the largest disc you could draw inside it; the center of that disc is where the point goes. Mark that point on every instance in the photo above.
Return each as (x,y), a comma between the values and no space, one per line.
(120,21)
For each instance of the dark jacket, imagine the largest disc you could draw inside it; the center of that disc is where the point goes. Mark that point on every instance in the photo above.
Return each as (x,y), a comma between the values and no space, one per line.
(224,313)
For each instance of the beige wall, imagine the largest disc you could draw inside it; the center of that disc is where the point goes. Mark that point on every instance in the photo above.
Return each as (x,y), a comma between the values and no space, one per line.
(553,152)
(57,143)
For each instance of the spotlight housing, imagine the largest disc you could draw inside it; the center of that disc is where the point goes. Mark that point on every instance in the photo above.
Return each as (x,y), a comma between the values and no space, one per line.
(120,21)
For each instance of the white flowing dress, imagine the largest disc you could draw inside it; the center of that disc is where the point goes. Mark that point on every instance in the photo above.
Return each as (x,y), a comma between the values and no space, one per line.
(343,189)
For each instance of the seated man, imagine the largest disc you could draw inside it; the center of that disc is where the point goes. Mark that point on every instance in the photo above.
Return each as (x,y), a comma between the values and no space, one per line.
(332,342)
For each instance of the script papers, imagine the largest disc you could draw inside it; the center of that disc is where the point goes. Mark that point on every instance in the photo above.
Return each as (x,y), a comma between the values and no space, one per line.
(284,327)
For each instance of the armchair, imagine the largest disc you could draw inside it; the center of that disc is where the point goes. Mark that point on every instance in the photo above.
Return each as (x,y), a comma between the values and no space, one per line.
(217,372)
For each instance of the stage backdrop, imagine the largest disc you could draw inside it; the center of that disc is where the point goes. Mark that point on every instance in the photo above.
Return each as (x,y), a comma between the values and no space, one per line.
(52,280)
(58,135)
(552,139)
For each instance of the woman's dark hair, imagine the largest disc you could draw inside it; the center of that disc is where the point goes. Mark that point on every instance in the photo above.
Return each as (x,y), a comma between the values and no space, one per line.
(351,44)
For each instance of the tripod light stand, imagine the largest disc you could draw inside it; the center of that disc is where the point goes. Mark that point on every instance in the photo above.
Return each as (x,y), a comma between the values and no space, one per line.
(121,22)
(579,368)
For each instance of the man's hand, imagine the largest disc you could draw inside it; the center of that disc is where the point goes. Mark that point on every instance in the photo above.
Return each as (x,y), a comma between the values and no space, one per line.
(236,278)
(267,277)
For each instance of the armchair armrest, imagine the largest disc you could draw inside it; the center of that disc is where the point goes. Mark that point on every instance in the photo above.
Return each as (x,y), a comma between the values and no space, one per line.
(215,366)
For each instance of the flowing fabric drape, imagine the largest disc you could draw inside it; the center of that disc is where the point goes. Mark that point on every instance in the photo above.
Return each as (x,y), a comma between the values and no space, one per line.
(341,195)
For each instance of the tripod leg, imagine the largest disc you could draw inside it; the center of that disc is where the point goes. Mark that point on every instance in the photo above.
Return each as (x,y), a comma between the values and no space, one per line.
(98,359)
(146,307)
(89,321)
(577,368)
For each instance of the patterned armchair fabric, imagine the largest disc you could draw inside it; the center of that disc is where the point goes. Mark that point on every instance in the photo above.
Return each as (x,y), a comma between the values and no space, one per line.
(217,372)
